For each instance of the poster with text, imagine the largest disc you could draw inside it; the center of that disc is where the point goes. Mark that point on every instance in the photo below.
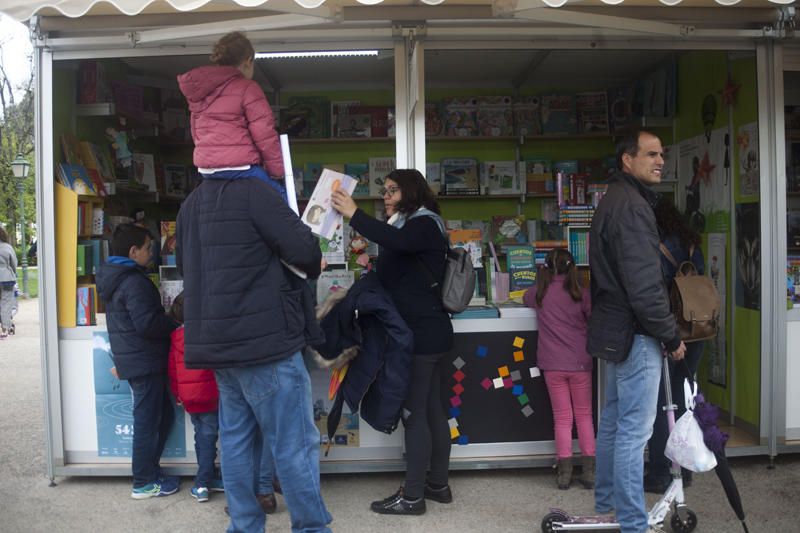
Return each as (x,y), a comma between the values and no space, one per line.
(747,141)
(716,347)
(748,256)
(114,409)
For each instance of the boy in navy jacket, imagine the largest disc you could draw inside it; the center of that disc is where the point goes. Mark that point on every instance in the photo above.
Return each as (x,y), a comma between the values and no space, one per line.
(139,332)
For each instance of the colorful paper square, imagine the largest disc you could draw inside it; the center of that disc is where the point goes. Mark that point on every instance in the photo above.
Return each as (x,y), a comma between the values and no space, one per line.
(455,412)
(507,383)
(452,422)
(527,410)
(519,355)
(454,433)
(503,371)
(498,383)
(519,342)
(516,390)
(455,401)
(535,372)
(516,375)
(458,388)
(486,383)
(463,439)
(458,363)
(459,375)
(523,399)
(482,351)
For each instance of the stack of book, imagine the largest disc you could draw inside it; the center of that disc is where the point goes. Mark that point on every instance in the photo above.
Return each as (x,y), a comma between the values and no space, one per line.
(86,305)
(579,246)
(576,215)
(544,247)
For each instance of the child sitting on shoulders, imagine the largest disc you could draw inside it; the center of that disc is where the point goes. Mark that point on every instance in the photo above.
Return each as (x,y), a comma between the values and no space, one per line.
(563,308)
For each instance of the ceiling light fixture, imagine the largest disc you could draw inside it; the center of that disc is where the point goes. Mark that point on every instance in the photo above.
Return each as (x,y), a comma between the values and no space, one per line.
(555,3)
(671,2)
(318,53)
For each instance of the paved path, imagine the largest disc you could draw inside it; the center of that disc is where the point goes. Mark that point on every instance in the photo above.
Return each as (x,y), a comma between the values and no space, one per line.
(486,501)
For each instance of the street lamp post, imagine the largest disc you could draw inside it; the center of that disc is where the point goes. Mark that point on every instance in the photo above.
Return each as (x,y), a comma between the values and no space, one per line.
(20,167)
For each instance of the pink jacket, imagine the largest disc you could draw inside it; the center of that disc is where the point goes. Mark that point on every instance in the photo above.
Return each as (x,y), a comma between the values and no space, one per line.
(562,326)
(232,123)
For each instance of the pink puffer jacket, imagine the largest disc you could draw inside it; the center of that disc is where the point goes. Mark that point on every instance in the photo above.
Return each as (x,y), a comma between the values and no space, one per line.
(232,123)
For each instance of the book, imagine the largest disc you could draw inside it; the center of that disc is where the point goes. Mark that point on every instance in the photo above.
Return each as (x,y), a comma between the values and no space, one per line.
(331,281)
(105,166)
(360,173)
(317,113)
(295,123)
(592,112)
(470,240)
(528,116)
(168,242)
(620,108)
(509,229)
(340,107)
(434,125)
(379,167)
(333,248)
(460,176)
(500,177)
(144,171)
(355,126)
(521,267)
(70,149)
(92,83)
(175,179)
(319,214)
(538,176)
(169,290)
(86,301)
(461,117)
(379,118)
(495,118)
(433,175)
(558,114)
(76,178)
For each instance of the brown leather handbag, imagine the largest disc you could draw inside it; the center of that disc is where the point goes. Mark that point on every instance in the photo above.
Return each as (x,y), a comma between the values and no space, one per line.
(694,300)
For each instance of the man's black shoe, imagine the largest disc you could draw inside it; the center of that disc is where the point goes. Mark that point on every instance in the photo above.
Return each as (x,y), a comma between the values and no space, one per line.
(397,504)
(441,495)
(656,484)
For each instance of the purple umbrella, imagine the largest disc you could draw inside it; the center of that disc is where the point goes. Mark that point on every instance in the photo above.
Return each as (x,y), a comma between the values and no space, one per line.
(706,415)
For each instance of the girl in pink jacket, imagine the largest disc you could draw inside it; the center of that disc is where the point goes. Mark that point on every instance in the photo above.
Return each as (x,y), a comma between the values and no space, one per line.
(562,314)
(232,124)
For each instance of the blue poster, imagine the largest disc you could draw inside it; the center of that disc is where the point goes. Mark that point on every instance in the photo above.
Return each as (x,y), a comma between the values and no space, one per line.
(114,409)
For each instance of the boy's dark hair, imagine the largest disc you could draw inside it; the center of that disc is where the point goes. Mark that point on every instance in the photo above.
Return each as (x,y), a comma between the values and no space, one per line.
(416,192)
(127,235)
(176,309)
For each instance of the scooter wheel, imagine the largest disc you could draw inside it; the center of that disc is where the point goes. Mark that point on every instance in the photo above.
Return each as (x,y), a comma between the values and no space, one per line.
(683,526)
(547,521)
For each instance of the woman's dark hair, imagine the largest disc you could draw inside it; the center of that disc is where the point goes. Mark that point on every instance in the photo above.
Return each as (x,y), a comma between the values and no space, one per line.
(415,190)
(232,50)
(670,222)
(559,261)
(176,309)
(3,235)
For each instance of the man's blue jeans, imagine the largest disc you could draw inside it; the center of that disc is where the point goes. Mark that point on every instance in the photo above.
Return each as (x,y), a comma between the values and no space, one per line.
(625,425)
(152,419)
(273,399)
(267,470)
(206,430)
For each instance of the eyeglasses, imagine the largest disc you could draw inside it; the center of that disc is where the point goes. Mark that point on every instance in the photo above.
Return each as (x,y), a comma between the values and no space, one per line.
(389,191)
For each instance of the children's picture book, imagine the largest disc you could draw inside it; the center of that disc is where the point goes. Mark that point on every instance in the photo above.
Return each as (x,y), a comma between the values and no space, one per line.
(567,166)
(379,167)
(592,110)
(319,214)
(521,267)
(460,176)
(355,126)
(333,248)
(168,242)
(433,175)
(538,174)
(360,173)
(434,125)
(528,116)
(70,149)
(331,281)
(169,289)
(175,180)
(295,123)
(379,119)
(620,108)
(340,107)
(470,240)
(509,229)
(558,114)
(86,305)
(316,110)
(495,118)
(144,171)
(461,117)
(76,178)
(105,165)
(500,177)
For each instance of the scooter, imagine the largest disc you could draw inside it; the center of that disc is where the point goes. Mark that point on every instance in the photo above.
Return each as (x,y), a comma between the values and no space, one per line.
(683,519)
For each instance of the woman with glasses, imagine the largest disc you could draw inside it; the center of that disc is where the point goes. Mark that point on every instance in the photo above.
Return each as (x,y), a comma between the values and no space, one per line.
(413,245)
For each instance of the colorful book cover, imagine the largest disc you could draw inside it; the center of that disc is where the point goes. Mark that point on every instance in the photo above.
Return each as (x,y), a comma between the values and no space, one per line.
(317,111)
(470,240)
(331,281)
(175,180)
(434,125)
(319,214)
(105,165)
(620,108)
(461,117)
(521,267)
(460,176)
(355,126)
(144,171)
(71,149)
(379,119)
(84,309)
(295,123)
(379,167)
(169,290)
(500,177)
(495,118)
(558,114)
(567,166)
(168,242)
(528,116)
(433,175)
(340,107)
(509,229)
(538,176)
(76,178)
(333,248)
(592,111)
(360,173)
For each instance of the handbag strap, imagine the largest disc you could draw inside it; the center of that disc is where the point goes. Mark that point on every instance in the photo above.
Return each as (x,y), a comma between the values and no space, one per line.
(428,274)
(668,255)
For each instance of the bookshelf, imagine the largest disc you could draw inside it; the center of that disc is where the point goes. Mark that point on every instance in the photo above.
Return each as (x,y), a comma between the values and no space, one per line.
(578,242)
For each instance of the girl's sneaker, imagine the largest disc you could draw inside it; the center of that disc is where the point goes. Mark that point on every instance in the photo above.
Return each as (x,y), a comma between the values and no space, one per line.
(216,485)
(200,494)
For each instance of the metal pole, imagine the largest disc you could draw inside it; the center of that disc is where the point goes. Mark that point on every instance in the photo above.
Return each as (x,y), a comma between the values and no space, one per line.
(21,191)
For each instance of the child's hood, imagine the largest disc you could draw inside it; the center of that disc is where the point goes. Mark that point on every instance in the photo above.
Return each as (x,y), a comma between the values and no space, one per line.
(111,274)
(202,85)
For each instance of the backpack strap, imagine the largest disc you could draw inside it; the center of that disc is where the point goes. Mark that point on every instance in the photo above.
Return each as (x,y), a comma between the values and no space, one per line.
(668,255)
(428,274)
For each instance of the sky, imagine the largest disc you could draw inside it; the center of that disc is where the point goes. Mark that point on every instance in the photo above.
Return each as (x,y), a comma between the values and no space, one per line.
(15,46)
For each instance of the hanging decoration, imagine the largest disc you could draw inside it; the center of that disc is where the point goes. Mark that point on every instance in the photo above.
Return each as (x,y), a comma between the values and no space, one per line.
(708,113)
(729,93)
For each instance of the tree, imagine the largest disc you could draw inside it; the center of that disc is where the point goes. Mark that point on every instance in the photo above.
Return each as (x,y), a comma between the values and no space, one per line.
(16,137)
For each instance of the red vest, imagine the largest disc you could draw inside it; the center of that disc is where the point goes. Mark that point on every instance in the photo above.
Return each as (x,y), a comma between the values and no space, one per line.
(195,389)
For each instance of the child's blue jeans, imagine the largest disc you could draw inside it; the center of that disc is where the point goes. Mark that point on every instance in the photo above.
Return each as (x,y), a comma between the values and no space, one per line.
(206,431)
(152,419)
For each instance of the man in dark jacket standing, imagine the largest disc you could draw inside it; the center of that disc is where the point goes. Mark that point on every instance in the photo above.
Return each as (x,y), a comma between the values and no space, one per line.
(630,326)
